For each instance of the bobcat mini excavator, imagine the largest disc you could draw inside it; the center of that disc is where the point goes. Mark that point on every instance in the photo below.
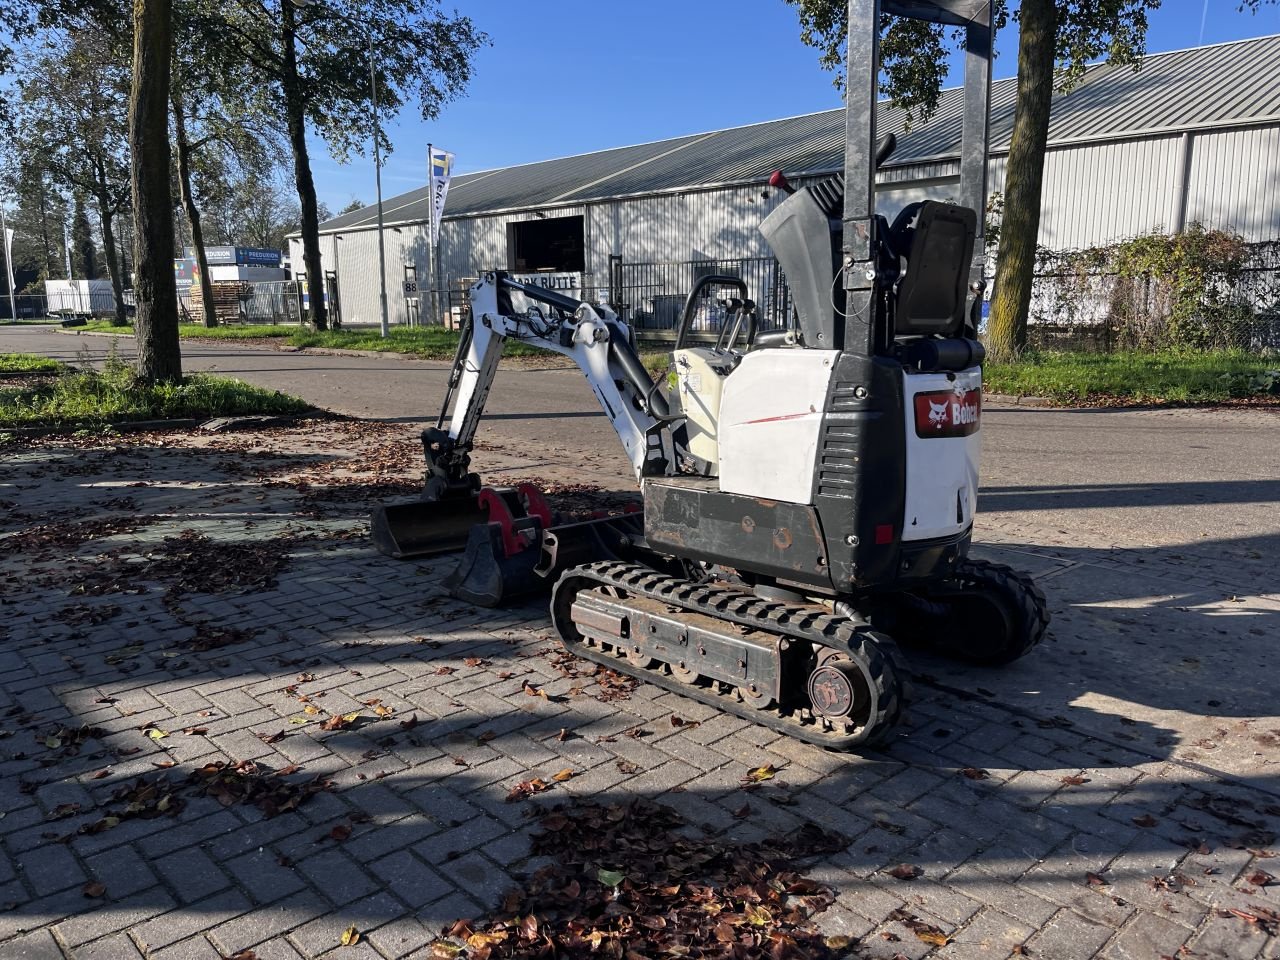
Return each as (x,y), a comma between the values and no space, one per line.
(808,493)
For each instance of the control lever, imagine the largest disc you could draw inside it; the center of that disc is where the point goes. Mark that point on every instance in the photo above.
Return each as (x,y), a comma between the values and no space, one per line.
(778,180)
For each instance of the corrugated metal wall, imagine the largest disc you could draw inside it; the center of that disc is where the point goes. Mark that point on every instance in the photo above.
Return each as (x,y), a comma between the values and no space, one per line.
(1093,194)
(1234,181)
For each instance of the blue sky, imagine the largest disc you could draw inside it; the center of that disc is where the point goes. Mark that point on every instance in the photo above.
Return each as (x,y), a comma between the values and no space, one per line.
(568,76)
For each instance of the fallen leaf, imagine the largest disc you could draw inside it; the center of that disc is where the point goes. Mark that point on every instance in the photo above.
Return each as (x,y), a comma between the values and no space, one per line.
(933,936)
(243,955)
(610,878)
(1260,878)
(445,949)
(272,737)
(529,926)
(563,775)
(350,936)
(627,767)
(486,736)
(104,772)
(1146,820)
(445,671)
(563,735)
(905,871)
(340,832)
(156,734)
(94,889)
(760,774)
(1074,781)
(196,731)
(742,812)
(687,724)
(1095,879)
(976,773)
(410,723)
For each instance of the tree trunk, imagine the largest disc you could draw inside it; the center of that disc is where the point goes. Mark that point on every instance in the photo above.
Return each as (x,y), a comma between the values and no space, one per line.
(193,214)
(107,215)
(159,355)
(295,115)
(1024,175)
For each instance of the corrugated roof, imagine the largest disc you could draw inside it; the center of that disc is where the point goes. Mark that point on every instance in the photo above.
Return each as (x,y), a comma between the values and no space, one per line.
(1229,83)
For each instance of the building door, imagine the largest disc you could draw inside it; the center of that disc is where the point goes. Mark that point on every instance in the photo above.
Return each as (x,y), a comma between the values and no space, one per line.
(552,244)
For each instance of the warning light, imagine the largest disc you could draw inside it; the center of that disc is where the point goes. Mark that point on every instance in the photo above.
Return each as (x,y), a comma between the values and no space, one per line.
(884,534)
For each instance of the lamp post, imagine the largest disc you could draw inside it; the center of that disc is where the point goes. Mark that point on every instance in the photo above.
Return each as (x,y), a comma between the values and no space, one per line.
(377,160)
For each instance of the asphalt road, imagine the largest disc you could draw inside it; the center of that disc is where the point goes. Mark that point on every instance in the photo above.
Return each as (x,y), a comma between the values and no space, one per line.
(1134,478)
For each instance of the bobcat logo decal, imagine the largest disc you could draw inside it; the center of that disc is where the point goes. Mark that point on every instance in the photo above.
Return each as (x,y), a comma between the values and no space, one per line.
(948,413)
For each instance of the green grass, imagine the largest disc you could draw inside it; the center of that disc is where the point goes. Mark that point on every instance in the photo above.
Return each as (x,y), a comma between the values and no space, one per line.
(27,363)
(1172,377)
(114,395)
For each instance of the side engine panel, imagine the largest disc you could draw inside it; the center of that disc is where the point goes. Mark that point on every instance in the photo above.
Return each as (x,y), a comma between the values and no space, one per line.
(771,416)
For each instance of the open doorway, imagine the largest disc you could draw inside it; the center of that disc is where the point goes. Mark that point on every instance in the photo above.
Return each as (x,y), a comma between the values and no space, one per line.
(552,244)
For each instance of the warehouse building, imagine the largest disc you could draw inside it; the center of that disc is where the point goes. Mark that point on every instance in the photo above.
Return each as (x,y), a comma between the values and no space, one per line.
(1193,136)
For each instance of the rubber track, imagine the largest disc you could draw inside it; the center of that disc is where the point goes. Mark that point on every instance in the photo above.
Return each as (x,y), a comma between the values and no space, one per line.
(877,652)
(1032,611)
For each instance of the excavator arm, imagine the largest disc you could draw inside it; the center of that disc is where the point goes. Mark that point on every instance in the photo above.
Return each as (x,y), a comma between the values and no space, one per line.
(591,335)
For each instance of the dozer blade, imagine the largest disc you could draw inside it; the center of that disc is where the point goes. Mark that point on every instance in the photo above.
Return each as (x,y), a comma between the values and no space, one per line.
(425,527)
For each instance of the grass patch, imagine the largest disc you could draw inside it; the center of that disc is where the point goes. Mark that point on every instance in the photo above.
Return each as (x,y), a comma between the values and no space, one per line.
(114,395)
(1170,377)
(27,363)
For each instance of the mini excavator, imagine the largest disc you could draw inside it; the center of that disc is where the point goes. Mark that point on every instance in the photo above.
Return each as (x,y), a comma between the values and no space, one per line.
(808,493)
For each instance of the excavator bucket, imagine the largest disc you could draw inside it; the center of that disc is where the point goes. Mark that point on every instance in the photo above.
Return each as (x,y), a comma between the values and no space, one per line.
(424,528)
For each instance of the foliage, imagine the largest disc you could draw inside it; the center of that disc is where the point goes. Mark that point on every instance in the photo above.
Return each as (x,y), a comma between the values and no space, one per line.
(1153,291)
(27,363)
(1138,376)
(115,394)
(84,255)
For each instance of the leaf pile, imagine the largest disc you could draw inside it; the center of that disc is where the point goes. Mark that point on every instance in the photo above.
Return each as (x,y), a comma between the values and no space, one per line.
(246,782)
(624,883)
(47,541)
(209,637)
(193,563)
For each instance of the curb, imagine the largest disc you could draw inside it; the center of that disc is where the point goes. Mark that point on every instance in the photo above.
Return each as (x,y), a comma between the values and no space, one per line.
(1018,401)
(215,424)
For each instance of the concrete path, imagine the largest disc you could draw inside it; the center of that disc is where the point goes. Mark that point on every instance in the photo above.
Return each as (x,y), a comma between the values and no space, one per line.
(1139,744)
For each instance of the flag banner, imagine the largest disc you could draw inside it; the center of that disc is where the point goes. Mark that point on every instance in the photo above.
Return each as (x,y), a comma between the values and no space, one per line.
(440,163)
(8,255)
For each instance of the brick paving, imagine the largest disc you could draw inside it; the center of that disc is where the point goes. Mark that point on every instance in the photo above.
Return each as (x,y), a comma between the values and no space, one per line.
(1127,748)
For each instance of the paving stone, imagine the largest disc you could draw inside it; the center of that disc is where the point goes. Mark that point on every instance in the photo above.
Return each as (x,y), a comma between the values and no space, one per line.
(1068,936)
(118,946)
(102,919)
(122,870)
(410,879)
(178,925)
(50,869)
(192,874)
(263,875)
(337,877)
(194,948)
(1147,936)
(37,945)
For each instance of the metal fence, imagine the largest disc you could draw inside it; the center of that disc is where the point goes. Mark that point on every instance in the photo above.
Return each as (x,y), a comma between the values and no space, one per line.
(28,306)
(651,296)
(1100,310)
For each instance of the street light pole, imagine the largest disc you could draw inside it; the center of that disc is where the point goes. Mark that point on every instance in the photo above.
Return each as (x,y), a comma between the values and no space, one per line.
(8,265)
(377,173)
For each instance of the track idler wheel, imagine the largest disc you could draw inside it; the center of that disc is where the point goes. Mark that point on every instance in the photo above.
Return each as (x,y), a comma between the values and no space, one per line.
(864,692)
(996,614)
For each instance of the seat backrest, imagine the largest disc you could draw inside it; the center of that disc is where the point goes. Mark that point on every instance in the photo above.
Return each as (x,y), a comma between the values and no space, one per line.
(930,299)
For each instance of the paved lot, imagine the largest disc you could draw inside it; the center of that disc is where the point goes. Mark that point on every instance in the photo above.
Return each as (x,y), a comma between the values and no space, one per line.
(1139,745)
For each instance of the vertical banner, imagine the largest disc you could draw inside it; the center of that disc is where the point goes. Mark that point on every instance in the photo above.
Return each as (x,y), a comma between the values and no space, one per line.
(440,163)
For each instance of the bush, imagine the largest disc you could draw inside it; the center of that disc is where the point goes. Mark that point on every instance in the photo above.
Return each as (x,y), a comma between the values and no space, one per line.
(115,395)
(1155,291)
(27,363)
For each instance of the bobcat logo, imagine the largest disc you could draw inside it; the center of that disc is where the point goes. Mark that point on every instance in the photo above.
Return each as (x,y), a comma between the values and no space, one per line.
(938,413)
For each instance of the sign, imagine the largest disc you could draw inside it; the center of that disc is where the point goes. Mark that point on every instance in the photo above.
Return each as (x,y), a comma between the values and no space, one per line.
(439,173)
(570,284)
(243,256)
(948,413)
(411,288)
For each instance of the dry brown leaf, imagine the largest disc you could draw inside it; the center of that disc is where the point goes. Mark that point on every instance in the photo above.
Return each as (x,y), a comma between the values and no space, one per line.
(94,889)
(1074,781)
(350,936)
(933,936)
(760,774)
(1146,820)
(1260,878)
(905,871)
(243,955)
(340,832)
(1095,879)
(627,767)
(486,736)
(976,773)
(563,775)
(104,772)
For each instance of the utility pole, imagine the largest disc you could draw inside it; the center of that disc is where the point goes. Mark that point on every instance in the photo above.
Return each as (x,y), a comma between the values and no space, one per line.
(434,317)
(377,174)
(8,265)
